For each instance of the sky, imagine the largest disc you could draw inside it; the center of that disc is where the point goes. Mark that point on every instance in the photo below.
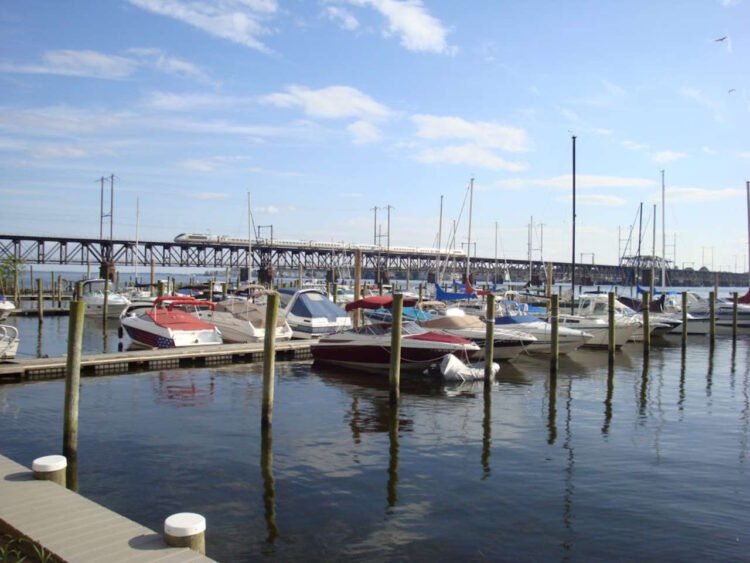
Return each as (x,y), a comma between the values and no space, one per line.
(359,120)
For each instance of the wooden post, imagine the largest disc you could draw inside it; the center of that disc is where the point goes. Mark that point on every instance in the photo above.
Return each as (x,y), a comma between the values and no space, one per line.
(335,292)
(489,341)
(712,316)
(151,279)
(105,305)
(645,311)
(684,319)
(735,301)
(611,326)
(299,276)
(52,289)
(72,386)
(548,285)
(78,291)
(269,358)
(555,333)
(225,289)
(211,289)
(357,283)
(31,280)
(397,310)
(49,468)
(59,291)
(160,288)
(421,294)
(186,529)
(40,300)
(16,291)
(117,281)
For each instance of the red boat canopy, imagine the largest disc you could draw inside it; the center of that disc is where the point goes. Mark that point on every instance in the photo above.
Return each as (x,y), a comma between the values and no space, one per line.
(745,298)
(378,301)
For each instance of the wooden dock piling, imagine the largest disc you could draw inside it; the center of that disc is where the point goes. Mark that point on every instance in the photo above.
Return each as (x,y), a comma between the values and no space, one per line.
(554,356)
(735,301)
(646,312)
(397,310)
(611,326)
(40,300)
(712,317)
(269,358)
(489,342)
(72,387)
(684,319)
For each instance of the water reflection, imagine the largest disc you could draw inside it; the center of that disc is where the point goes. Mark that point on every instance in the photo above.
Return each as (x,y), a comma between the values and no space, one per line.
(608,399)
(551,409)
(393,451)
(569,472)
(183,389)
(710,371)
(643,395)
(681,396)
(486,433)
(269,485)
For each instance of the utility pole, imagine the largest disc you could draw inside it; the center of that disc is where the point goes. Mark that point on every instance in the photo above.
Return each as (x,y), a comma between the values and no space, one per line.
(375,227)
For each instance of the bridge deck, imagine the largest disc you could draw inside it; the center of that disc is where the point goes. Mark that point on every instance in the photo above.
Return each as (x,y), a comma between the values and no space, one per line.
(75,528)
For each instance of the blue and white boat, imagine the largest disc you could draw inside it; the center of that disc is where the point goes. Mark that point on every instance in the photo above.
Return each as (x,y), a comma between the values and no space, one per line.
(310,313)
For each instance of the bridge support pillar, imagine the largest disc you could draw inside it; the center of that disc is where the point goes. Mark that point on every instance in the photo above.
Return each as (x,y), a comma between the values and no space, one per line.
(107,271)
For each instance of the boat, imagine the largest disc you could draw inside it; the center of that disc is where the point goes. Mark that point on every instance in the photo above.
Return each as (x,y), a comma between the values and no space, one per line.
(6,306)
(593,311)
(368,347)
(168,323)
(507,343)
(241,320)
(8,342)
(93,296)
(513,315)
(310,313)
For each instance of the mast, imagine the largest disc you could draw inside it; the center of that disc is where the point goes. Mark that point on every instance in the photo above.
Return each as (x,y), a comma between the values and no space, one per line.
(747,187)
(468,253)
(494,280)
(573,262)
(439,243)
(137,217)
(638,256)
(663,239)
(653,257)
(249,241)
(531,230)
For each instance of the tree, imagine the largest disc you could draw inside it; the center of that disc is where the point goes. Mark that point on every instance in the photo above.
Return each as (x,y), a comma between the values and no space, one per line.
(11,268)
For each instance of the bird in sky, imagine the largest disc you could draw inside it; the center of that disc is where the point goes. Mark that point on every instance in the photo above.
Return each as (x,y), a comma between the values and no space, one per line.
(730,90)
(721,38)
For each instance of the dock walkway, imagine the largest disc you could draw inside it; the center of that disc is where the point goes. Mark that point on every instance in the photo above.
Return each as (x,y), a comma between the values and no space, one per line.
(75,528)
(141,360)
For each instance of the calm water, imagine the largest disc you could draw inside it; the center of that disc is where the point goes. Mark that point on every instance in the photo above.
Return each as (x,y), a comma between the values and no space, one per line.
(648,461)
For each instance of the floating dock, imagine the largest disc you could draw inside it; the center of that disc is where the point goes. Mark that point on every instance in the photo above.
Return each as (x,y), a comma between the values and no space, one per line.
(75,528)
(146,360)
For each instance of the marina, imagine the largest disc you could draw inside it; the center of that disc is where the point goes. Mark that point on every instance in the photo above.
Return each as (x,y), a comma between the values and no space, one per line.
(533,466)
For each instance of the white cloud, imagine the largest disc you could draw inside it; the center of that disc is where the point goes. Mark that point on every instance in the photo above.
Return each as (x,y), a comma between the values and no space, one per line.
(601,132)
(481,133)
(344,18)
(363,132)
(330,102)
(664,157)
(270,209)
(745,154)
(470,155)
(206,196)
(239,21)
(59,120)
(209,164)
(168,101)
(595,199)
(583,181)
(702,194)
(729,3)
(162,62)
(633,146)
(697,96)
(412,23)
(90,64)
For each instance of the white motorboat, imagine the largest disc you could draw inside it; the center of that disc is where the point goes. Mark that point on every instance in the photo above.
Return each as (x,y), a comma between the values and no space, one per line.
(169,323)
(8,342)
(310,313)
(6,306)
(508,343)
(513,316)
(369,347)
(93,295)
(241,320)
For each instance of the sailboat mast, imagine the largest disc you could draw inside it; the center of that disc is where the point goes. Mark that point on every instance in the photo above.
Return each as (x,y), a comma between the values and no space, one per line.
(573,263)
(653,257)
(468,249)
(747,187)
(439,243)
(137,218)
(249,241)
(663,239)
(494,280)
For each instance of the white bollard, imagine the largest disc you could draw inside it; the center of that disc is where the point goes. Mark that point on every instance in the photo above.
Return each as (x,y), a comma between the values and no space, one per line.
(50,468)
(186,529)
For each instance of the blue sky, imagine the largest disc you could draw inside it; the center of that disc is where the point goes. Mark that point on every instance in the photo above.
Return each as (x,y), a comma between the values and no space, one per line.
(323,110)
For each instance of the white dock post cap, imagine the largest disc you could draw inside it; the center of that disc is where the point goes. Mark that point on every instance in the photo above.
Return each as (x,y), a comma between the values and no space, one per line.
(186,529)
(184,524)
(50,468)
(49,463)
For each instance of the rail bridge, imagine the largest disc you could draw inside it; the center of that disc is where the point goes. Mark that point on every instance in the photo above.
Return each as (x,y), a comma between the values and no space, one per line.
(271,258)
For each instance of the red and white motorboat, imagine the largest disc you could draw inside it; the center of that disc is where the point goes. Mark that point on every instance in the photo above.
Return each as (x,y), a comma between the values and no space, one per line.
(369,347)
(168,324)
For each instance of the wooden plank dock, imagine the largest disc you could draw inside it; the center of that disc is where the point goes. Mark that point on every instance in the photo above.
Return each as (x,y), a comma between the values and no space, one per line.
(75,528)
(144,360)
